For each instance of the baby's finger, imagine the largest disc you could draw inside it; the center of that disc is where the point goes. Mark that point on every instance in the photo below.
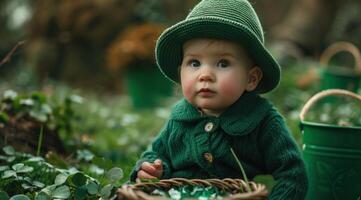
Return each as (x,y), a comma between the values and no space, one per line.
(158,164)
(158,173)
(148,167)
(143,174)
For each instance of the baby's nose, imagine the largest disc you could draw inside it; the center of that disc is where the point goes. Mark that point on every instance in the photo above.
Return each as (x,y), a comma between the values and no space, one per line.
(207,75)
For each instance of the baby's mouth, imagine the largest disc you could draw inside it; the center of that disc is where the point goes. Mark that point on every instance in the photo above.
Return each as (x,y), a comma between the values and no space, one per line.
(206,92)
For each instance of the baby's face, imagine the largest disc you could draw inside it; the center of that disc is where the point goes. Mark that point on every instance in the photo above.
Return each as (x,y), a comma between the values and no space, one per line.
(214,74)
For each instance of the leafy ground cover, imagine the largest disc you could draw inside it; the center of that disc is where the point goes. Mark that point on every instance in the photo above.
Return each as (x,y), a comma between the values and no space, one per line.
(25,176)
(97,139)
(76,138)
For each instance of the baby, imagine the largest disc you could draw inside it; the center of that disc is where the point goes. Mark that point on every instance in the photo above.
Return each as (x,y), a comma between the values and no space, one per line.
(217,55)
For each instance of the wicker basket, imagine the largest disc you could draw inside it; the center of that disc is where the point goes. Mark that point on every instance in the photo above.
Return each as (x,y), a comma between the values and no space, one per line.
(232,186)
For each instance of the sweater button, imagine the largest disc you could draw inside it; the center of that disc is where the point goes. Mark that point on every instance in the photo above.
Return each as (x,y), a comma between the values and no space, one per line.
(208,157)
(208,127)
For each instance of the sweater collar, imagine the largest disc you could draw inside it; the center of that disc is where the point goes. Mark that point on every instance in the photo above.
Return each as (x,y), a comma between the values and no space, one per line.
(239,119)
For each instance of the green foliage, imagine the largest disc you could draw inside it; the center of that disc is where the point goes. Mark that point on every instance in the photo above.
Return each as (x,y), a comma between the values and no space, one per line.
(85,155)
(24,176)
(288,98)
(4,195)
(244,176)
(336,111)
(192,192)
(108,126)
(40,140)
(20,197)
(114,174)
(4,118)
(57,115)
(113,129)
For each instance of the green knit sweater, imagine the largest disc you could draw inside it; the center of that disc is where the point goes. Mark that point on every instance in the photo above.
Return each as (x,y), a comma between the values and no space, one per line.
(192,145)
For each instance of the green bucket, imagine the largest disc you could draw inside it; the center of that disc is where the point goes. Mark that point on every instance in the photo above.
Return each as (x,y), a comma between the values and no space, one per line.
(340,77)
(148,87)
(332,155)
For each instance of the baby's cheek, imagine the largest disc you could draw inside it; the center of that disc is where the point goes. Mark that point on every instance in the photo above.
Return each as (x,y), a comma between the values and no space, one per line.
(186,92)
(187,88)
(231,89)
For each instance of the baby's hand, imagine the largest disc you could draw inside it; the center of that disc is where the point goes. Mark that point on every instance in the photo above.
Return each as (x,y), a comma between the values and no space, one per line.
(151,170)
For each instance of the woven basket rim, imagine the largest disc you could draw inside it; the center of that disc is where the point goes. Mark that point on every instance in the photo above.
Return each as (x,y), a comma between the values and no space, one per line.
(137,191)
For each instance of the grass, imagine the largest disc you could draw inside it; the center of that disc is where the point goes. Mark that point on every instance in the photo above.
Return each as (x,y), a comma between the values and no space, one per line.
(110,127)
(40,141)
(242,170)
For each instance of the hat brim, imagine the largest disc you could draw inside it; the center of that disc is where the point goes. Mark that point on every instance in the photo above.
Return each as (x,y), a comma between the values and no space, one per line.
(169,47)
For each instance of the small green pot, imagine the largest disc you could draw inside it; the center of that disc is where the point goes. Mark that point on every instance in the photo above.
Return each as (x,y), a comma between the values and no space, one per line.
(340,77)
(332,155)
(334,78)
(147,87)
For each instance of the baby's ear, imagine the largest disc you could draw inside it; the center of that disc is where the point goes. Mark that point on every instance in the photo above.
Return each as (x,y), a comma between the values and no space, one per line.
(254,77)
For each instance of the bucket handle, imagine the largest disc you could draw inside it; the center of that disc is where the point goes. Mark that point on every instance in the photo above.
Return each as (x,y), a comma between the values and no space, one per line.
(325,93)
(339,47)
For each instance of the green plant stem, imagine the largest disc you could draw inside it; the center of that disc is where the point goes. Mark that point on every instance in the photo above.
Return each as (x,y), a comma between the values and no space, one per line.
(40,141)
(242,170)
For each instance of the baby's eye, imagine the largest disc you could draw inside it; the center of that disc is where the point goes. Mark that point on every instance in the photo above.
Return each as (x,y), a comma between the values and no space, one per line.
(194,63)
(223,63)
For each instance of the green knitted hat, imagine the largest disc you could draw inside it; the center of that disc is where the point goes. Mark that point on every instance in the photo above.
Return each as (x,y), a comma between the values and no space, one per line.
(233,20)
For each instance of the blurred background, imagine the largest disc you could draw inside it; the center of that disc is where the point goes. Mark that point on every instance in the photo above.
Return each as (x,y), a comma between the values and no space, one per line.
(93,44)
(92,62)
